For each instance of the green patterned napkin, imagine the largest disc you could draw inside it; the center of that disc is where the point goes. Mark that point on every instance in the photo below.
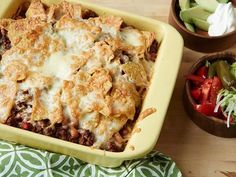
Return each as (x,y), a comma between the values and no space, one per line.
(20,161)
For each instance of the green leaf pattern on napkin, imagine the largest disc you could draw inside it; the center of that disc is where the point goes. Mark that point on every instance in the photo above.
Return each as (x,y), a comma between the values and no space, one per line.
(21,161)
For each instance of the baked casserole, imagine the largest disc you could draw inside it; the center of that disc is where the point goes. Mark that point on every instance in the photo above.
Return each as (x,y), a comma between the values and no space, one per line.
(71,74)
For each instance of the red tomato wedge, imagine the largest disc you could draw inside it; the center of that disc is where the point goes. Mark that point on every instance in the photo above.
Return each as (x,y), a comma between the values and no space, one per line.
(26,125)
(202,72)
(206,109)
(215,88)
(196,93)
(204,91)
(196,80)
(206,87)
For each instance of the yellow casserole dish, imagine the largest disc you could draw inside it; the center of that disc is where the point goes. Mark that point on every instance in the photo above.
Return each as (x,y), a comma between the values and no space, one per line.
(158,96)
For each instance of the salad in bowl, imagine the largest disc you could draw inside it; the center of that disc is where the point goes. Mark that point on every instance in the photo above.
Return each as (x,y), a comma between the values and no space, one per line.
(210,93)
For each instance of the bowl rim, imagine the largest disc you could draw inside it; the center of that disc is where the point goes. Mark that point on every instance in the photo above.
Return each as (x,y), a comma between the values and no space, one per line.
(180,24)
(195,66)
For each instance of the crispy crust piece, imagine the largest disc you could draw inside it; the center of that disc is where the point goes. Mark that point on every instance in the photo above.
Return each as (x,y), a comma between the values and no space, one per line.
(7,95)
(36,10)
(136,73)
(16,71)
(100,81)
(56,11)
(39,110)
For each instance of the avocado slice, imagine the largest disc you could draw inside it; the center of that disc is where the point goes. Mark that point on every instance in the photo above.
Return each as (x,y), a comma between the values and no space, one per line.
(201,24)
(189,27)
(193,4)
(194,12)
(185,4)
(209,5)
(223,1)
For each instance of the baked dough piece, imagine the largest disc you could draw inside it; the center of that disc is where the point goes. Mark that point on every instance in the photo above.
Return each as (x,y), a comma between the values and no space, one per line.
(8,91)
(36,10)
(100,81)
(78,35)
(135,73)
(56,11)
(15,70)
(70,99)
(39,110)
(109,24)
(21,29)
(136,42)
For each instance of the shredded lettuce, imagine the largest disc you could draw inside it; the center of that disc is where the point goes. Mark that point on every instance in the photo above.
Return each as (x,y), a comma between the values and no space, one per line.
(207,64)
(226,100)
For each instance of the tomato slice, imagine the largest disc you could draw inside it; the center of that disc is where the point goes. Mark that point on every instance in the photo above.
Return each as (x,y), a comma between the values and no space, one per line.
(196,80)
(206,87)
(196,93)
(205,91)
(215,88)
(202,72)
(26,125)
(205,108)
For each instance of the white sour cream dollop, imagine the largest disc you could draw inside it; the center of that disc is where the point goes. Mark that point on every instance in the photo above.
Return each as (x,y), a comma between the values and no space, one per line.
(223,20)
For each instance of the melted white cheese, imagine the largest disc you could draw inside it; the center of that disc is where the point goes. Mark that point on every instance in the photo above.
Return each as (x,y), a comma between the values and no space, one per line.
(87,100)
(58,65)
(108,29)
(131,36)
(77,40)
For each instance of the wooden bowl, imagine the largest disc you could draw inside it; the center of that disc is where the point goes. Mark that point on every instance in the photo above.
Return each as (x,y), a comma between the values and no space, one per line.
(213,125)
(199,41)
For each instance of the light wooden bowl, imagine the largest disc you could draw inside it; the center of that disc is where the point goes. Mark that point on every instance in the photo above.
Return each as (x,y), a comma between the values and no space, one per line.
(213,125)
(199,41)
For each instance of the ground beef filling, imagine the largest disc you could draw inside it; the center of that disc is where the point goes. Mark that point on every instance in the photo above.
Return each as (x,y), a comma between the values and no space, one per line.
(86,14)
(152,52)
(20,118)
(5,43)
(21,11)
